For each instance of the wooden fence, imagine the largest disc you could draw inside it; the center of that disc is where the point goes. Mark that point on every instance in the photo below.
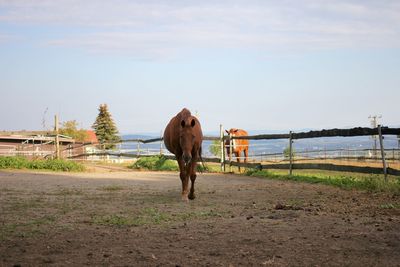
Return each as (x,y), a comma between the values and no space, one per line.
(359,131)
(290,165)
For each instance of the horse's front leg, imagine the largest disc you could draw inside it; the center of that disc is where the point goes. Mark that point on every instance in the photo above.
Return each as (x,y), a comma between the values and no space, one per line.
(184,175)
(193,176)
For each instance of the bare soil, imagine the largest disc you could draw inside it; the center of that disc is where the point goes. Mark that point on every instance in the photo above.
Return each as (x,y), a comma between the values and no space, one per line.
(110,217)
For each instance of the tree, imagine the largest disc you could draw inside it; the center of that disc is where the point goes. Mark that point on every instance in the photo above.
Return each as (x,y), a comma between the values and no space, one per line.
(105,128)
(70,128)
(215,148)
(286,152)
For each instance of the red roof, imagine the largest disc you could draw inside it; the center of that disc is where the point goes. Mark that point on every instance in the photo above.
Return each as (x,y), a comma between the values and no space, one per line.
(92,138)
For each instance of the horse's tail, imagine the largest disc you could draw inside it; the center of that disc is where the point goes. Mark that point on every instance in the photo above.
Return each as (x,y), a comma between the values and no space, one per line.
(201,159)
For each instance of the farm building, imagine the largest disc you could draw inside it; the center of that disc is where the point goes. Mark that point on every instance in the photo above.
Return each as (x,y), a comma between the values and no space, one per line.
(41,144)
(88,146)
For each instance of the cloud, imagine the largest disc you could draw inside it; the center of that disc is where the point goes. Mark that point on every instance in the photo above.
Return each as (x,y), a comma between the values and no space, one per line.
(154,29)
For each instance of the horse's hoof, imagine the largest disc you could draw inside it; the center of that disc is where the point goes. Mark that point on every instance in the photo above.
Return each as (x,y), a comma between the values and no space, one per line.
(185,199)
(192,196)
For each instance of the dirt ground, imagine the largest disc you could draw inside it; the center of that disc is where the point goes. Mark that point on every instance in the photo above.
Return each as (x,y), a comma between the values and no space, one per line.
(130,218)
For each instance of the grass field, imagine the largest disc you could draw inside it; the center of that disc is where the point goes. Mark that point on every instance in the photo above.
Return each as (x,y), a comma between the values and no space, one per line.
(344,180)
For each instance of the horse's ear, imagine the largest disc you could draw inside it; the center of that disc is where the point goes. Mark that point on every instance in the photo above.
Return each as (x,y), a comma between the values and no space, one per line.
(193,123)
(183,123)
(236,130)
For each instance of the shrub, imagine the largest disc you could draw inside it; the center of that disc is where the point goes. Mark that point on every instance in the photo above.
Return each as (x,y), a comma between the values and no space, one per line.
(286,152)
(49,164)
(161,163)
(155,163)
(13,162)
(203,168)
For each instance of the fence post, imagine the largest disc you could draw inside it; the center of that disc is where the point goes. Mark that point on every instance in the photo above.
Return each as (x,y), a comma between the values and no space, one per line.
(161,146)
(290,153)
(221,136)
(57,137)
(138,149)
(33,146)
(382,152)
(70,150)
(230,151)
(398,147)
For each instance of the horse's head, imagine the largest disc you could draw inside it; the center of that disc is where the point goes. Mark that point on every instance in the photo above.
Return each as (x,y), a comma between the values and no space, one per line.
(187,138)
(232,131)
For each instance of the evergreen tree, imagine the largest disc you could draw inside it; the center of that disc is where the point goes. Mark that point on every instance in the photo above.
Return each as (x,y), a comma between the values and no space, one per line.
(105,128)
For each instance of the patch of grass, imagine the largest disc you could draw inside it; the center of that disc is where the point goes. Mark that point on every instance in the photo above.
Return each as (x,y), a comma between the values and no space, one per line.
(112,188)
(24,205)
(368,183)
(390,206)
(38,164)
(25,229)
(154,216)
(213,167)
(48,219)
(114,220)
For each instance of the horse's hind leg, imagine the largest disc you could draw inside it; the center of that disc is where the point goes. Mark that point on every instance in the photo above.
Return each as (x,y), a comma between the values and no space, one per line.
(246,154)
(192,179)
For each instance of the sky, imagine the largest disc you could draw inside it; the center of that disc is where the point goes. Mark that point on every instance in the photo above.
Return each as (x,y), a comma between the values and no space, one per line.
(257,65)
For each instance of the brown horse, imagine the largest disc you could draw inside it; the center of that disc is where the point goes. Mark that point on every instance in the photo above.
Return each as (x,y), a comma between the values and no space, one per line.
(183,138)
(238,145)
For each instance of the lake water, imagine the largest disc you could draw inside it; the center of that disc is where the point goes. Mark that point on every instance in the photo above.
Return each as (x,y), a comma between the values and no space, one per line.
(265,147)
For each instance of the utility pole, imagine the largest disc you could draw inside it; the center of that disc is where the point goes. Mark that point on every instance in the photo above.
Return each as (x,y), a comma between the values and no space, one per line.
(374,124)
